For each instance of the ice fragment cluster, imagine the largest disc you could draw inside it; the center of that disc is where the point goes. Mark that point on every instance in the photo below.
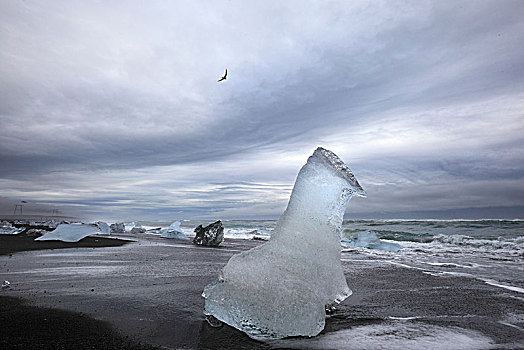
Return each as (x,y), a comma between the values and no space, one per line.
(7,229)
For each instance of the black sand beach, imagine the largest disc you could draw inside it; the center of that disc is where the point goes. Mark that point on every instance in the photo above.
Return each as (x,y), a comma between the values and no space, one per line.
(26,326)
(29,327)
(150,290)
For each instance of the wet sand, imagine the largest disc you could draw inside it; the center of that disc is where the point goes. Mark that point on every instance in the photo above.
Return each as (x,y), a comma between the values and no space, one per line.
(30,327)
(151,290)
(25,326)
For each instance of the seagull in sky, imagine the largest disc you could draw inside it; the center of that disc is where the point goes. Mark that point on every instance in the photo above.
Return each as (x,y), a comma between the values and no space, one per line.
(223,78)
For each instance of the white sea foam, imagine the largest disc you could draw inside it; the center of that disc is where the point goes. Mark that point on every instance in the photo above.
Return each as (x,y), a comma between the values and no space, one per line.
(512,325)
(501,285)
(464,240)
(394,335)
(443,264)
(239,233)
(396,263)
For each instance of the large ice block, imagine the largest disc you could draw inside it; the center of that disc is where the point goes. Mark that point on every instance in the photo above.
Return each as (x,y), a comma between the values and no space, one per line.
(70,232)
(281,288)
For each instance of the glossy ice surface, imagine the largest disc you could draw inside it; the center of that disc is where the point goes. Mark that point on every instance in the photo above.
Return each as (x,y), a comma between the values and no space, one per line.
(281,288)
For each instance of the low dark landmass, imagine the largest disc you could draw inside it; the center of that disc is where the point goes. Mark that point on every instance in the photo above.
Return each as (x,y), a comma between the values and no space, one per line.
(41,218)
(30,327)
(22,242)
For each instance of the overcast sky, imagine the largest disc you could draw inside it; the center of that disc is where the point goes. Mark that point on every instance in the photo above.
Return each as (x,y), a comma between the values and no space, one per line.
(112,108)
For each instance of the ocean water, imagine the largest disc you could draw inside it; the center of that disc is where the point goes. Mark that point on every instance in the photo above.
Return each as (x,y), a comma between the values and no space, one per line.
(489,250)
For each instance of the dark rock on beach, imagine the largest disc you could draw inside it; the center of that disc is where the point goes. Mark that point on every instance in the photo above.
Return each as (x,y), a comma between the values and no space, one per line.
(211,235)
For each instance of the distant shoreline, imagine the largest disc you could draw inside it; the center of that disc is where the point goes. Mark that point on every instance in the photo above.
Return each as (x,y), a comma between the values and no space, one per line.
(38,217)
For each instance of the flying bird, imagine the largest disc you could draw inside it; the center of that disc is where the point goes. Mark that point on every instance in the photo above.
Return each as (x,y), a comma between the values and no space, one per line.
(223,78)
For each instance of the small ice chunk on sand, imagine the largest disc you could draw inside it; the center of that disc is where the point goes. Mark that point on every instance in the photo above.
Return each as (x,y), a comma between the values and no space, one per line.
(138,229)
(104,228)
(173,231)
(281,288)
(52,223)
(35,232)
(118,227)
(369,239)
(70,232)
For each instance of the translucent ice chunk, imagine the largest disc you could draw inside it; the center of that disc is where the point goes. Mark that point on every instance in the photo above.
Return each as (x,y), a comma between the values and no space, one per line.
(104,228)
(118,227)
(173,231)
(137,228)
(70,232)
(175,226)
(7,229)
(281,288)
(368,239)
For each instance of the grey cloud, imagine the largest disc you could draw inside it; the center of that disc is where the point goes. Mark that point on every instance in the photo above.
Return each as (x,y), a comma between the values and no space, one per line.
(101,89)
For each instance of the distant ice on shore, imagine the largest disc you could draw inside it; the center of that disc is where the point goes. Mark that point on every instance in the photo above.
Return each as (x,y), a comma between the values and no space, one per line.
(104,228)
(173,231)
(7,229)
(369,239)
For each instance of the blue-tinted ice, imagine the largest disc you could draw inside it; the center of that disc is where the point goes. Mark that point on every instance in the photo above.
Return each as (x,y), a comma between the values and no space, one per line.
(281,288)
(368,239)
(70,232)
(173,231)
